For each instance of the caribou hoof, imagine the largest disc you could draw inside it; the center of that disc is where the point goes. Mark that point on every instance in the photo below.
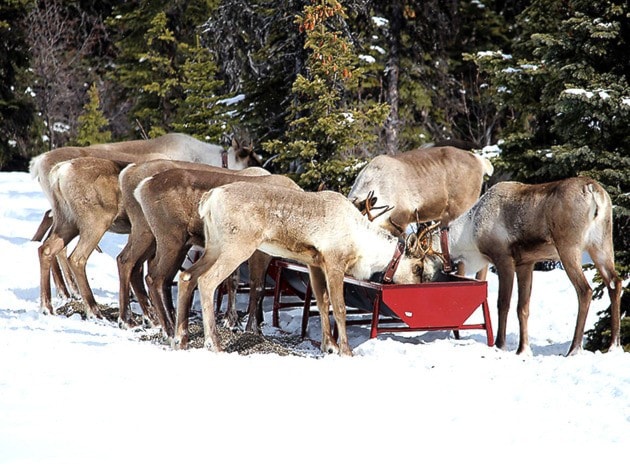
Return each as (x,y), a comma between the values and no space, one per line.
(330,349)
(346,352)
(215,347)
(93,314)
(47,311)
(147,323)
(179,343)
(574,351)
(126,325)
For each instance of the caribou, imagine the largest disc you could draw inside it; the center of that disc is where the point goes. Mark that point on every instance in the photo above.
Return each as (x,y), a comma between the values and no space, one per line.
(86,201)
(174,146)
(421,185)
(515,225)
(140,244)
(322,230)
(165,224)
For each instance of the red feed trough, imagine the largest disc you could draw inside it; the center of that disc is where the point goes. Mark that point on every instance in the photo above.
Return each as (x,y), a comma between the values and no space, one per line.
(443,305)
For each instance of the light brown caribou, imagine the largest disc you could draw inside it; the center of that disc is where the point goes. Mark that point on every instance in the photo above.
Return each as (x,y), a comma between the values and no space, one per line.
(175,146)
(86,202)
(515,225)
(322,230)
(424,184)
(141,243)
(161,201)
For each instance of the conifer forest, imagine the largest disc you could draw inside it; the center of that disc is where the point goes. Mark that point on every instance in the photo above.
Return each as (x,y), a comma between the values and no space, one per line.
(322,86)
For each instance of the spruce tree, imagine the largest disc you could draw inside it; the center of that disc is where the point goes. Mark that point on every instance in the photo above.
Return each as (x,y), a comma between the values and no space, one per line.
(260,52)
(202,113)
(153,76)
(92,123)
(325,128)
(17,109)
(154,40)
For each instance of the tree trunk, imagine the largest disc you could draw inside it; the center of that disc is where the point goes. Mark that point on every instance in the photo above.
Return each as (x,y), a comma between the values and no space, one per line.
(392,72)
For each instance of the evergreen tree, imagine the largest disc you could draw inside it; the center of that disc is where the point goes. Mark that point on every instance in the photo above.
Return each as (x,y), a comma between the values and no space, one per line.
(325,128)
(154,42)
(416,74)
(92,122)
(17,109)
(566,89)
(415,49)
(152,74)
(260,53)
(202,113)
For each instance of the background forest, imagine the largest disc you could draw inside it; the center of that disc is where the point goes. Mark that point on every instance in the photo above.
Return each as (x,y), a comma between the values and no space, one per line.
(321,86)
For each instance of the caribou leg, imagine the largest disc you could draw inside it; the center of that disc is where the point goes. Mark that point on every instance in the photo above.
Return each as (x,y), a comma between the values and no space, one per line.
(162,268)
(335,286)
(606,267)
(571,260)
(320,290)
(87,243)
(130,262)
(505,271)
(185,289)
(214,268)
(524,276)
(58,276)
(47,252)
(231,315)
(59,279)
(258,264)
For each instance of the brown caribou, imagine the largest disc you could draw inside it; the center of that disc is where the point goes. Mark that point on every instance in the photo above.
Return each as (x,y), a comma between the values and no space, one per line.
(87,202)
(322,230)
(175,146)
(515,225)
(161,200)
(424,184)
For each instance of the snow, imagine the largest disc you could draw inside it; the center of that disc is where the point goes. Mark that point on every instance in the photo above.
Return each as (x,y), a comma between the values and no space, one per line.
(367,58)
(232,100)
(380,21)
(84,395)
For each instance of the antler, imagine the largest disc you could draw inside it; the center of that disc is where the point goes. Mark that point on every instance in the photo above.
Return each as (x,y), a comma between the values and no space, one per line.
(369,206)
(424,242)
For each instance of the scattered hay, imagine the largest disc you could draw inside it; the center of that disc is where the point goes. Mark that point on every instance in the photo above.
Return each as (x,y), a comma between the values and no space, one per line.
(238,341)
(232,341)
(74,307)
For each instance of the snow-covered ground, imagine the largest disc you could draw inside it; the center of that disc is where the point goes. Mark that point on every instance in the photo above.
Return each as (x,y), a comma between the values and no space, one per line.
(88,396)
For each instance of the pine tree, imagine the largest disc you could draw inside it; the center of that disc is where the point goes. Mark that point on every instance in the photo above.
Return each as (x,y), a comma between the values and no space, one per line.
(325,128)
(92,123)
(154,77)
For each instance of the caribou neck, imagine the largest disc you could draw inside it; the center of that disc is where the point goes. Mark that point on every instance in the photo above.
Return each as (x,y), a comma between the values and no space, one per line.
(377,249)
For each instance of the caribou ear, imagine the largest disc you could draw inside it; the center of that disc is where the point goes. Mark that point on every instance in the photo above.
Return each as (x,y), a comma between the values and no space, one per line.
(412,244)
(235,144)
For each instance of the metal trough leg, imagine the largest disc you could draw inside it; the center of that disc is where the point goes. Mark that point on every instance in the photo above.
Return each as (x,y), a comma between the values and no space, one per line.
(487,322)
(306,311)
(275,319)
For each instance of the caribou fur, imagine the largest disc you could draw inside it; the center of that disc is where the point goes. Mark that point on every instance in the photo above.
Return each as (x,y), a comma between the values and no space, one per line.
(515,225)
(421,185)
(322,230)
(141,242)
(175,146)
(169,201)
